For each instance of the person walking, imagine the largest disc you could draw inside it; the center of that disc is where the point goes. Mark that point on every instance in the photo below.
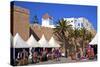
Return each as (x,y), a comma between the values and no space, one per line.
(24,57)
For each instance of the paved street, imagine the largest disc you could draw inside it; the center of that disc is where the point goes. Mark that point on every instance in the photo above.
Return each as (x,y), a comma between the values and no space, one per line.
(62,60)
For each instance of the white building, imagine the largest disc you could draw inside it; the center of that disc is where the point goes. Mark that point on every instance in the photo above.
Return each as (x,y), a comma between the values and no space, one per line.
(79,23)
(47,21)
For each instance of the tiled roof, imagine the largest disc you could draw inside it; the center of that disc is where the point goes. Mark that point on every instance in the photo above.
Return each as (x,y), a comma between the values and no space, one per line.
(39,30)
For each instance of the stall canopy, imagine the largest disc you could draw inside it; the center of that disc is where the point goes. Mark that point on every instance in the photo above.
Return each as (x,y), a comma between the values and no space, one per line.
(11,37)
(94,40)
(19,42)
(32,42)
(53,43)
(43,42)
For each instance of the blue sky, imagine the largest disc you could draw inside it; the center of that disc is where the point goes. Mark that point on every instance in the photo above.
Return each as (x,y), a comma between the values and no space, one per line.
(58,11)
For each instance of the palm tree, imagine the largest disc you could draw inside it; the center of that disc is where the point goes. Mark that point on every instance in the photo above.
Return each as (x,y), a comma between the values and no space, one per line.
(61,31)
(35,19)
(89,36)
(74,35)
(83,36)
(86,37)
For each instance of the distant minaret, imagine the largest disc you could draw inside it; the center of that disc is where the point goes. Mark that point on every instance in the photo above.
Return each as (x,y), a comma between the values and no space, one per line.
(47,21)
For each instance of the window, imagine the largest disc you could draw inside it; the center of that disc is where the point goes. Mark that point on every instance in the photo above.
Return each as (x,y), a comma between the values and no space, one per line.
(71,20)
(82,24)
(78,24)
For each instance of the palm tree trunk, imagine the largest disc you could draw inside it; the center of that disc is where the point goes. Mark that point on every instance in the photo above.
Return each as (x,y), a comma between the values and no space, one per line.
(75,45)
(65,48)
(65,42)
